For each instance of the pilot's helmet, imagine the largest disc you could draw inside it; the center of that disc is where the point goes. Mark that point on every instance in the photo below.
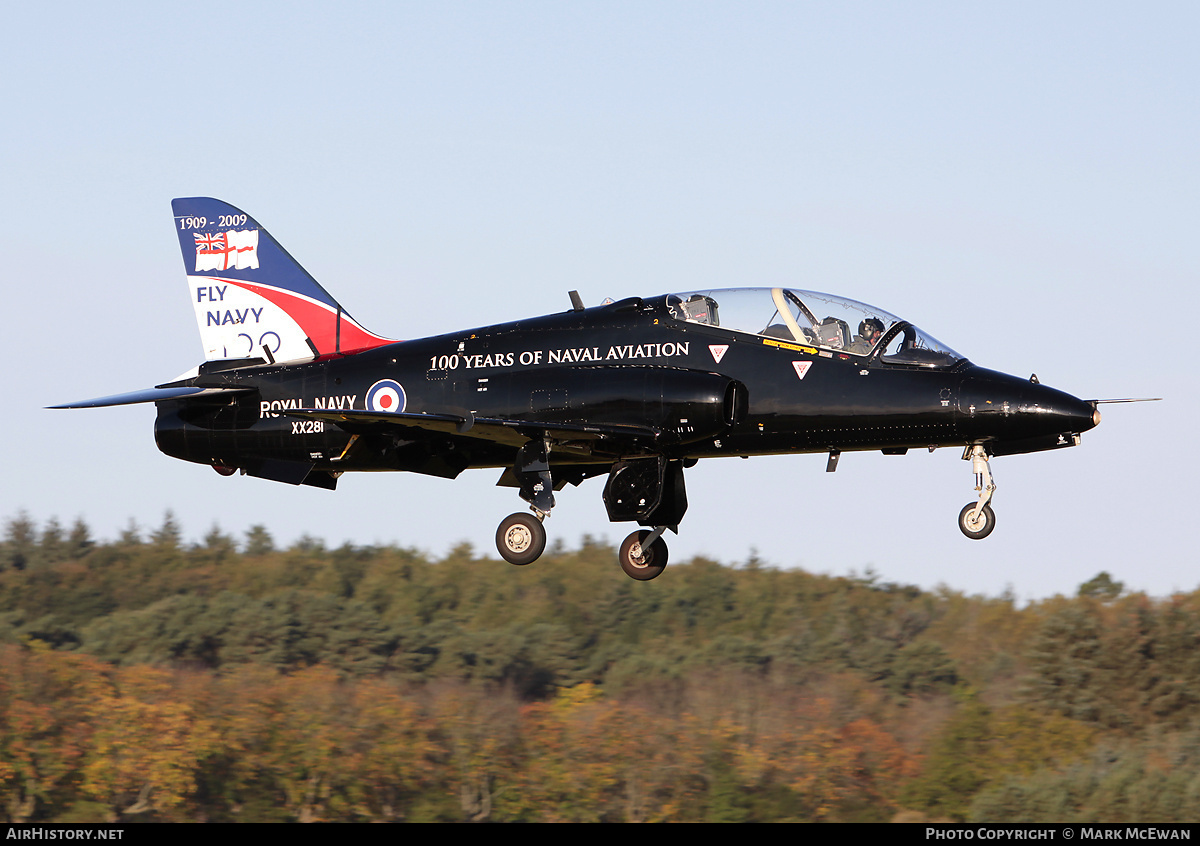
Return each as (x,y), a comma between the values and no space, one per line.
(870,326)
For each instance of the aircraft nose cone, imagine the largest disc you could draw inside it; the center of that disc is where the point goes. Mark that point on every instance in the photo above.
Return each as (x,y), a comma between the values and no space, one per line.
(998,405)
(1082,413)
(1061,410)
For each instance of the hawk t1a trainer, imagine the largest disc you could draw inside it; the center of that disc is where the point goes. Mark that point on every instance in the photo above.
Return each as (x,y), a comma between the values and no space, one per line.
(295,390)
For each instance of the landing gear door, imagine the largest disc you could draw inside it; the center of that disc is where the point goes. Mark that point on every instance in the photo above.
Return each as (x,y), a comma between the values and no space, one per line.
(647,490)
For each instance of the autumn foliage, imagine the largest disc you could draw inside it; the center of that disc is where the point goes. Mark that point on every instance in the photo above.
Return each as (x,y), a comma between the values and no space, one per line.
(149,679)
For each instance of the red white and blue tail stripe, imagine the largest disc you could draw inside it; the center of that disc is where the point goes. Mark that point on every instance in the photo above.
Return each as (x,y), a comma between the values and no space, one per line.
(252,299)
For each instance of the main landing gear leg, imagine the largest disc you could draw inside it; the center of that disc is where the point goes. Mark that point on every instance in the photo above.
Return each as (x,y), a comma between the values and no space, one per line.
(977,519)
(521,538)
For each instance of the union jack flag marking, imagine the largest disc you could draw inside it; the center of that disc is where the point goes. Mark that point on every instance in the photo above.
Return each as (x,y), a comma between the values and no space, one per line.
(210,243)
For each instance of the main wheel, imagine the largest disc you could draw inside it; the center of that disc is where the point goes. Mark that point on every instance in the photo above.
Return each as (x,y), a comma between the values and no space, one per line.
(980,527)
(521,538)
(642,563)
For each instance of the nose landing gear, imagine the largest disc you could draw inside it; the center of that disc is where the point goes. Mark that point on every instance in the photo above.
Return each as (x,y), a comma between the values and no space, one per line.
(977,519)
(976,523)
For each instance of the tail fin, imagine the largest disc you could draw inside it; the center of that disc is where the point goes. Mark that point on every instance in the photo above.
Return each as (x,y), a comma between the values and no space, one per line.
(249,294)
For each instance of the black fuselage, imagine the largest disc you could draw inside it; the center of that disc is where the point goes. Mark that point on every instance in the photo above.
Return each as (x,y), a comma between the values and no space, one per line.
(685,390)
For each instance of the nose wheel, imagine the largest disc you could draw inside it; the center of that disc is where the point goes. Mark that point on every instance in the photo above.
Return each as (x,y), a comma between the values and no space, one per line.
(977,519)
(643,554)
(521,539)
(975,522)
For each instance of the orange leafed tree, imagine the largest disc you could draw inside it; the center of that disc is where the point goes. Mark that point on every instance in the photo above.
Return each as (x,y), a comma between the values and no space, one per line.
(586,758)
(146,746)
(44,728)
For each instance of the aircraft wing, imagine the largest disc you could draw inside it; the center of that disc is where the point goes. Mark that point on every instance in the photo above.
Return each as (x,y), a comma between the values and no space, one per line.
(508,432)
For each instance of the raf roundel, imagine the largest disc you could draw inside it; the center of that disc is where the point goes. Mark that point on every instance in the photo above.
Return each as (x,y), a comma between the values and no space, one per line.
(386,395)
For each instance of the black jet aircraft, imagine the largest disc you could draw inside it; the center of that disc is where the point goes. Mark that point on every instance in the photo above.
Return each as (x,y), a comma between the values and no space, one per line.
(295,390)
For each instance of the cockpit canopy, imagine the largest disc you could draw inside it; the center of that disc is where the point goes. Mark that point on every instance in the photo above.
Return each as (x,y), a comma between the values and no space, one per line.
(813,319)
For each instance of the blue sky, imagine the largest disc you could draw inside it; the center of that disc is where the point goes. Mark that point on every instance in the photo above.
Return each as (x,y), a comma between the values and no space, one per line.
(1019,179)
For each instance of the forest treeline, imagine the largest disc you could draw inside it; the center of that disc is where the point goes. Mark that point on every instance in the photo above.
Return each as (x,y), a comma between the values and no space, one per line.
(230,680)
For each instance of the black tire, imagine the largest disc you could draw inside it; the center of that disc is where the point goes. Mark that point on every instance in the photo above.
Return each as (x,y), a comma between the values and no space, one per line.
(521,539)
(981,527)
(649,563)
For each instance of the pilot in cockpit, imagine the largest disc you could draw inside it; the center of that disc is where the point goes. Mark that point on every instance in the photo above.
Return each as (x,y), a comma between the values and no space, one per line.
(869,332)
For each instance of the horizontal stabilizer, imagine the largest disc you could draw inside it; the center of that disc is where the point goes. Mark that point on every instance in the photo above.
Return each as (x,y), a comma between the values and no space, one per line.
(151,395)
